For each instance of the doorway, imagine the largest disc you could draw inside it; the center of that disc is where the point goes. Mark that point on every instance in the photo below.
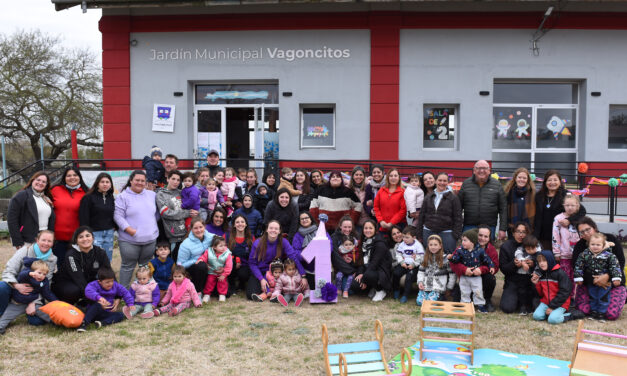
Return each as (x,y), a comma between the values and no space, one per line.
(239,125)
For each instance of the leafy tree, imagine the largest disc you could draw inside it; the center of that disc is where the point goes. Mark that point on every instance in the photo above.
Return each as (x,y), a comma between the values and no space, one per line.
(47,90)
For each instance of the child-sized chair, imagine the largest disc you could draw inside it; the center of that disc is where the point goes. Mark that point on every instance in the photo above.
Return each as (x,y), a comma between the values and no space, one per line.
(357,357)
(593,358)
(405,368)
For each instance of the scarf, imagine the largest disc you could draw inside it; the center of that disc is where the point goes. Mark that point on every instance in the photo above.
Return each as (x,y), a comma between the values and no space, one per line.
(366,247)
(40,255)
(179,291)
(438,198)
(42,196)
(521,209)
(375,186)
(308,233)
(73,188)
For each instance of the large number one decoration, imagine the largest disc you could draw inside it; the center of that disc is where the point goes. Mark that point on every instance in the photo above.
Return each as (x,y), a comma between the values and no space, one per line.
(319,249)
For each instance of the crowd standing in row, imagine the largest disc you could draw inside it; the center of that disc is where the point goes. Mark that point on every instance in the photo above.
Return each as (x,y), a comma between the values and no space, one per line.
(192,236)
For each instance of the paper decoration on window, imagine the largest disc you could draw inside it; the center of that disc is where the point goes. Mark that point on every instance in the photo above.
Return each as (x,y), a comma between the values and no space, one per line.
(163,118)
(437,123)
(243,95)
(521,128)
(558,126)
(503,126)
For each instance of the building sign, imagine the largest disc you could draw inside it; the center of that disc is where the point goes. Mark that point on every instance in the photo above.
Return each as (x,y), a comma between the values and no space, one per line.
(244,54)
(163,118)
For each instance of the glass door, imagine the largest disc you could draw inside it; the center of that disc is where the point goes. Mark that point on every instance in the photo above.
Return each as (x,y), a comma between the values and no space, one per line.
(208,132)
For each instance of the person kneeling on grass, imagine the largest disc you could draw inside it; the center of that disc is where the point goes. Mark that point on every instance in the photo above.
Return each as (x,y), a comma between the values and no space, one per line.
(553,286)
(102,292)
(288,285)
(181,294)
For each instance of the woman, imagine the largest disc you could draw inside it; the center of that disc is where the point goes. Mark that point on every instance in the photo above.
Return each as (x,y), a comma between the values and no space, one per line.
(441,214)
(80,266)
(335,200)
(30,211)
(217,223)
(136,216)
(283,210)
(427,182)
(253,216)
(518,291)
(358,185)
(301,183)
(271,180)
(346,227)
(197,242)
(373,186)
(375,269)
(521,196)
(549,203)
(66,199)
(389,203)
(587,227)
(306,232)
(251,182)
(265,249)
(239,241)
(40,249)
(317,180)
(96,211)
(172,214)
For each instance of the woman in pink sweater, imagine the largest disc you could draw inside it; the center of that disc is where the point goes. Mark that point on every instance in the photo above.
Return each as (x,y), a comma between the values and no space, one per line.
(181,294)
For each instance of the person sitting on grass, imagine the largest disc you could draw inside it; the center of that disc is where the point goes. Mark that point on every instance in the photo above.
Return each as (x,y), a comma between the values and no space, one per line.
(218,258)
(102,292)
(181,294)
(434,272)
(288,285)
(553,286)
(161,267)
(145,292)
(408,255)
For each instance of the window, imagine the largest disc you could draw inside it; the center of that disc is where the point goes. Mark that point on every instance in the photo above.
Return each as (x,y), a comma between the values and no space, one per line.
(317,126)
(617,131)
(439,123)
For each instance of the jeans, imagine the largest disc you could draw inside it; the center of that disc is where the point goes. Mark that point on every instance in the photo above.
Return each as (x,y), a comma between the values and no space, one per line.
(133,254)
(556,317)
(104,240)
(95,312)
(492,231)
(599,298)
(448,241)
(5,297)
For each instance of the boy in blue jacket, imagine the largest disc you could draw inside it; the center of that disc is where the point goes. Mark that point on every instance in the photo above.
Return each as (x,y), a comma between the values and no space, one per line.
(161,267)
(103,292)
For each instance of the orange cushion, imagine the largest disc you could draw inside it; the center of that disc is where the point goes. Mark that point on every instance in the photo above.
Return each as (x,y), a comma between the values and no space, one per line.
(64,314)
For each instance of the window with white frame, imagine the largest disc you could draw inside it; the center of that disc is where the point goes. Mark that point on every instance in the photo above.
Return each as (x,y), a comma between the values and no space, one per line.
(617,127)
(317,128)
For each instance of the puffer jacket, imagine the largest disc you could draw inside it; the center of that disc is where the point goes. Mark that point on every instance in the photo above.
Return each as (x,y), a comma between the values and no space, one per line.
(483,205)
(148,293)
(172,214)
(192,247)
(554,285)
(448,215)
(564,238)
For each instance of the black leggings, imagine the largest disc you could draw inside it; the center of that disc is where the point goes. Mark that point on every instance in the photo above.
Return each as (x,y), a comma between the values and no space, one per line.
(410,278)
(370,279)
(67,291)
(198,275)
(238,278)
(518,292)
(253,286)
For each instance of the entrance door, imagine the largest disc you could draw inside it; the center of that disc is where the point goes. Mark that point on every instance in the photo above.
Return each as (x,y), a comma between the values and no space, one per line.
(239,122)
(208,133)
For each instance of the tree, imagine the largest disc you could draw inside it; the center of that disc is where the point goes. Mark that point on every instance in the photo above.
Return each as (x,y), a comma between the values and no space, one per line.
(47,90)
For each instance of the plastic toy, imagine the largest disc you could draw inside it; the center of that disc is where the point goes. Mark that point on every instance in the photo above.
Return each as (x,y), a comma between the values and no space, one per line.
(592,358)
(441,312)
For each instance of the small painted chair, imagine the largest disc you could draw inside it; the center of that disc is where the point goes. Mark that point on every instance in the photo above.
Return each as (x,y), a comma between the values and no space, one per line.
(405,368)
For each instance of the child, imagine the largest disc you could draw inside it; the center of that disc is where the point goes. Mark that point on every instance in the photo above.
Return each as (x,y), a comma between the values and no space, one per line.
(597,259)
(276,268)
(471,255)
(435,276)
(161,267)
(145,292)
(201,183)
(262,197)
(286,182)
(155,172)
(414,195)
(553,286)
(190,195)
(181,294)
(241,177)
(288,285)
(33,275)
(253,216)
(103,292)
(348,252)
(565,237)
(228,189)
(214,196)
(408,255)
(525,260)
(220,263)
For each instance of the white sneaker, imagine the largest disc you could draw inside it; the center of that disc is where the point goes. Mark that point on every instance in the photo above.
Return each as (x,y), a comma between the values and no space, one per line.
(206,298)
(379,296)
(372,292)
(222,298)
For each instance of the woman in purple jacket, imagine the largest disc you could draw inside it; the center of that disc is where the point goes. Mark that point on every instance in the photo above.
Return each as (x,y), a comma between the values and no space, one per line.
(136,216)
(265,249)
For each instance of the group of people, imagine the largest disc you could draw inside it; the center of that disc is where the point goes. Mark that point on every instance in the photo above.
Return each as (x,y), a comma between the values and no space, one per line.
(194,236)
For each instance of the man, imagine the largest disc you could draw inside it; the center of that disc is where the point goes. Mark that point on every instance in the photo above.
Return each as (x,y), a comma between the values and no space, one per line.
(483,200)
(171,163)
(213,162)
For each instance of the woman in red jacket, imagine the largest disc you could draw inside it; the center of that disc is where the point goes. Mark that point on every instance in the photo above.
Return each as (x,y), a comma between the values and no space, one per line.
(389,203)
(66,197)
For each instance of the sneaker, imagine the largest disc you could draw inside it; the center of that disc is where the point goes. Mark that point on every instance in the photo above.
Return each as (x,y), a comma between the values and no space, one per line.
(200,295)
(484,309)
(147,315)
(256,298)
(378,296)
(222,298)
(371,293)
(98,324)
(593,315)
(281,300)
(156,312)
(490,307)
(345,295)
(82,328)
(403,299)
(2,331)
(206,298)
(523,311)
(397,294)
(173,312)
(127,312)
(274,299)
(299,300)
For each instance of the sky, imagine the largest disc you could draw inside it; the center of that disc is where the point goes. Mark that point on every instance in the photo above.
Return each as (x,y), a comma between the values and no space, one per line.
(75,28)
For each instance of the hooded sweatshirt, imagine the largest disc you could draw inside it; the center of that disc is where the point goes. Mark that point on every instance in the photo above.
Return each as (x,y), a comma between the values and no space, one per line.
(144,294)
(139,211)
(253,216)
(80,267)
(172,214)
(554,285)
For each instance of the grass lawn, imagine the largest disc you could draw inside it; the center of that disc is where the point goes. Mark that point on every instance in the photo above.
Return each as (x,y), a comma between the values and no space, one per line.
(239,337)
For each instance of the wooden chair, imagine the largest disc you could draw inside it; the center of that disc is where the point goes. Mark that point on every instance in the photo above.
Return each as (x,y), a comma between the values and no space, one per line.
(405,368)
(593,358)
(357,357)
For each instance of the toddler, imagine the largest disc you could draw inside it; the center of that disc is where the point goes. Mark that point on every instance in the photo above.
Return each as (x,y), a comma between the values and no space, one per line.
(565,237)
(348,252)
(220,263)
(201,183)
(525,261)
(241,177)
(155,172)
(181,294)
(597,259)
(103,292)
(145,292)
(190,195)
(276,268)
(286,182)
(228,189)
(472,256)
(214,196)
(435,276)
(414,195)
(408,255)
(262,197)
(161,267)
(288,285)
(34,275)
(553,286)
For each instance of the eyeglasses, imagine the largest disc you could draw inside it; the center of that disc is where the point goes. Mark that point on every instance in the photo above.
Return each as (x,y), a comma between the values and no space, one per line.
(585,231)
(304,219)
(523,232)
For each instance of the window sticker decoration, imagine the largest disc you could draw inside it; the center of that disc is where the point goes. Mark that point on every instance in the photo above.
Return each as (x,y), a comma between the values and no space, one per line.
(512,123)
(558,126)
(522,127)
(318,127)
(243,95)
(439,126)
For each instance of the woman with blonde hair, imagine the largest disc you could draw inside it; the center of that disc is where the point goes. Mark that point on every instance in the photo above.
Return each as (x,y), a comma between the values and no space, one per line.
(521,196)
